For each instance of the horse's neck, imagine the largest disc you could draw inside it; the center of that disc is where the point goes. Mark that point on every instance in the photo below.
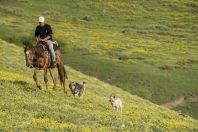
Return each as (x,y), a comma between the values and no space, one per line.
(33,50)
(39,49)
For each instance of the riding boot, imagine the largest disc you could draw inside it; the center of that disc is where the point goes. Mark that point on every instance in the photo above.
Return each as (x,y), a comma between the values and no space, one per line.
(54,63)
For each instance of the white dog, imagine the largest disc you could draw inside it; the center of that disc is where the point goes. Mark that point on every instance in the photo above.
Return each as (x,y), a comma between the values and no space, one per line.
(116,103)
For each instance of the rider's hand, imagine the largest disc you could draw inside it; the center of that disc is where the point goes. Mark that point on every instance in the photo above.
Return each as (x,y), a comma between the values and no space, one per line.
(40,39)
(43,40)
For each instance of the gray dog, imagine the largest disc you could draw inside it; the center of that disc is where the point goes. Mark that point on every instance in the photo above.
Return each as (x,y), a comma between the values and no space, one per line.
(116,103)
(77,89)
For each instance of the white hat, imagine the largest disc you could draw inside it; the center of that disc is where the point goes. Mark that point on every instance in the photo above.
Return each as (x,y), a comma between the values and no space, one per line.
(41,19)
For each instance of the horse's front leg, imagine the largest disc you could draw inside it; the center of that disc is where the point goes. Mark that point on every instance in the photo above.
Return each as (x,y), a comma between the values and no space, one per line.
(35,78)
(45,78)
(52,73)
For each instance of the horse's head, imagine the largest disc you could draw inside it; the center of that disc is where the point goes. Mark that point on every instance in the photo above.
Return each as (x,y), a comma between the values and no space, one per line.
(29,55)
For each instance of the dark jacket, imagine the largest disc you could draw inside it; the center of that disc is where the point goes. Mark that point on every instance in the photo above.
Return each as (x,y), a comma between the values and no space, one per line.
(43,31)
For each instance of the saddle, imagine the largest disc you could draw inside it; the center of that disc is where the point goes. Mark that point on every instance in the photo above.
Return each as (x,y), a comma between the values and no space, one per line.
(45,47)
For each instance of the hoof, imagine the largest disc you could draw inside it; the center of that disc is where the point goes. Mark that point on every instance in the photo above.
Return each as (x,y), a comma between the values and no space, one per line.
(39,87)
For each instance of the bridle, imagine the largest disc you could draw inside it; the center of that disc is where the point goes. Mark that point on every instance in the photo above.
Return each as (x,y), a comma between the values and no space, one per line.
(27,52)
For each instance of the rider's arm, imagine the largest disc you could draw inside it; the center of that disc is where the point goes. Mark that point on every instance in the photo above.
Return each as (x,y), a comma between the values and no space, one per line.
(46,38)
(49,33)
(38,38)
(37,35)
(36,32)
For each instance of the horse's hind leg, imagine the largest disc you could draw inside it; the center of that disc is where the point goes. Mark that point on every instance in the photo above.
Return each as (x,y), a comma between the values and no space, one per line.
(35,78)
(45,78)
(53,78)
(64,87)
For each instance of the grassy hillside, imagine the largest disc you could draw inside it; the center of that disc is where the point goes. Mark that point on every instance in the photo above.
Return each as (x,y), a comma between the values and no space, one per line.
(190,109)
(148,48)
(23,107)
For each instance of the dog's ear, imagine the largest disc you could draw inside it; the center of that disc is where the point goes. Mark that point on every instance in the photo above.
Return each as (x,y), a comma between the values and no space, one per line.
(73,87)
(112,95)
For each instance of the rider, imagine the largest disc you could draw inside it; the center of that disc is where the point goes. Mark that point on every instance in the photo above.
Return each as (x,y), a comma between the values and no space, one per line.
(43,33)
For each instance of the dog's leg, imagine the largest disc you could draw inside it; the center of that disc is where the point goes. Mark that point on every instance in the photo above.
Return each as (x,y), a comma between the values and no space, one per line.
(114,109)
(117,109)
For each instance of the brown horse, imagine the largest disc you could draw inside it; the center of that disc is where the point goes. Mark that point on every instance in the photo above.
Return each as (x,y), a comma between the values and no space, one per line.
(38,57)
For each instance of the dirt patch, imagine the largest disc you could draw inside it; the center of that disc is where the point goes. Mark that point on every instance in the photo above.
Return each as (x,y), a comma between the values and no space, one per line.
(181,101)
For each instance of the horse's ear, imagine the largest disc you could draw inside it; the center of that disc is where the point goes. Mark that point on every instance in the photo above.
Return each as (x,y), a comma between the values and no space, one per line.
(24,46)
(26,43)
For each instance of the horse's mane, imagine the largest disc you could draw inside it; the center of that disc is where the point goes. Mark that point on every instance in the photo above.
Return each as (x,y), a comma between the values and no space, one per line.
(39,49)
(27,45)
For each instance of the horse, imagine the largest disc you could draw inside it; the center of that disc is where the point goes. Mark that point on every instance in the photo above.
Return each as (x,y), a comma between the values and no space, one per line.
(38,57)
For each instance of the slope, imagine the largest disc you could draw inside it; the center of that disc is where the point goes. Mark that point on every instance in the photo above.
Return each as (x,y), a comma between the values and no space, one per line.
(148,48)
(23,107)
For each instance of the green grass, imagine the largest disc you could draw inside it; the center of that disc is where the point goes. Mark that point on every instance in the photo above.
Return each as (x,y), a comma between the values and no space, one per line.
(189,109)
(155,58)
(140,79)
(25,108)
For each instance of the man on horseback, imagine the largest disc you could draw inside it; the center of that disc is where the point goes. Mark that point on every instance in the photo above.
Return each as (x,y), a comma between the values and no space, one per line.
(37,56)
(43,33)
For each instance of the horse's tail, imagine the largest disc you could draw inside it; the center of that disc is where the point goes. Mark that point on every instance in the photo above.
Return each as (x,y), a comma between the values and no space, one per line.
(62,73)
